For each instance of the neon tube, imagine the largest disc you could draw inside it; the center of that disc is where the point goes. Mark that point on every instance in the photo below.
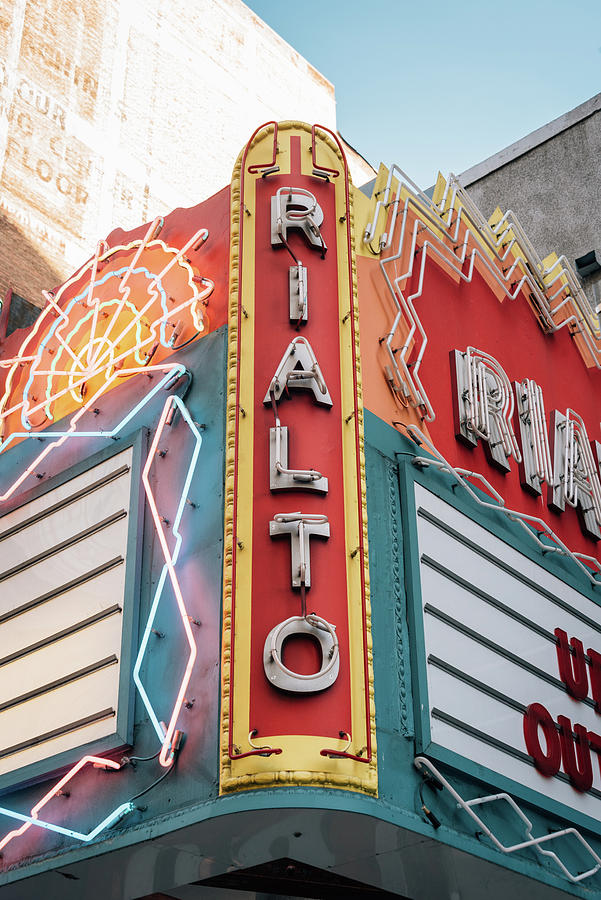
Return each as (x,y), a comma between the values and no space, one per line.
(166,737)
(193,302)
(505,235)
(93,367)
(62,436)
(166,755)
(32,819)
(49,826)
(425,767)
(537,525)
(113,362)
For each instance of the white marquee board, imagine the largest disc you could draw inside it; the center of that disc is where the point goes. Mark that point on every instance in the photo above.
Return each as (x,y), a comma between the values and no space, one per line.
(62,584)
(489,615)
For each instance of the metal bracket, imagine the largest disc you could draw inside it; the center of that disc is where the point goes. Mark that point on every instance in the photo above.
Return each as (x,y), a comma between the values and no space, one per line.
(298,293)
(301,528)
(541,843)
(282,478)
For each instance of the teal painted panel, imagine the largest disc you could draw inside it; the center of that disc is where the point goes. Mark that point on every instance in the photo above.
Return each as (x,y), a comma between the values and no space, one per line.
(400,786)
(94,793)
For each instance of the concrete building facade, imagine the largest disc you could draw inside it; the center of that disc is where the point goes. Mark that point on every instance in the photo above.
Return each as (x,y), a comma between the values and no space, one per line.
(551,179)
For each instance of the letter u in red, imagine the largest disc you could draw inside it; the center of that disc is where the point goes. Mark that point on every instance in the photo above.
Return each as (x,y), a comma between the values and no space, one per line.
(577,765)
(572,666)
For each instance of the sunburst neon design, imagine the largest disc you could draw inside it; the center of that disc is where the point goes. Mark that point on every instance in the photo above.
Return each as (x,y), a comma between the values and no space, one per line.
(106,331)
(78,349)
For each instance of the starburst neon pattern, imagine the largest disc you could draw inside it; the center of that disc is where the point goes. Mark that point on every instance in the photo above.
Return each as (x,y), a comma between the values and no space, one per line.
(73,371)
(78,349)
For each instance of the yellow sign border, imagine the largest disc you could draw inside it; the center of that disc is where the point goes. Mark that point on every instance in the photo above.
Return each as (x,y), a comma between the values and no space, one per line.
(300,762)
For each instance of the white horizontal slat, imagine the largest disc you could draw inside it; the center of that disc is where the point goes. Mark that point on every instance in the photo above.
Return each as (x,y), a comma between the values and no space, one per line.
(96,731)
(500,585)
(494,636)
(483,618)
(474,708)
(553,788)
(64,566)
(64,524)
(50,498)
(62,611)
(59,659)
(34,671)
(455,556)
(499,673)
(70,703)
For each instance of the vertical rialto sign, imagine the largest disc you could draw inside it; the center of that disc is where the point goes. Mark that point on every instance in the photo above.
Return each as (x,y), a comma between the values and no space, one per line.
(297,682)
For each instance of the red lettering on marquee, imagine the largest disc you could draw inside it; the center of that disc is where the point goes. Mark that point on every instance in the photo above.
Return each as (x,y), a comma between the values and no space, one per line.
(572,665)
(567,745)
(595,676)
(547,762)
(576,763)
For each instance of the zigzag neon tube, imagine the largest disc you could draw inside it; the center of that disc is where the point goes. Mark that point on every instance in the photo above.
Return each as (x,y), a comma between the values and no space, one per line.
(32,819)
(96,365)
(172,403)
(166,755)
(497,245)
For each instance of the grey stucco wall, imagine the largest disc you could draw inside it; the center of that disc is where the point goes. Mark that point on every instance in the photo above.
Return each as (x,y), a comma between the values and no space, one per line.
(555,190)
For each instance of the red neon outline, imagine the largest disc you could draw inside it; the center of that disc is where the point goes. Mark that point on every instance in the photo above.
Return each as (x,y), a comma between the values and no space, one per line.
(340,753)
(258,166)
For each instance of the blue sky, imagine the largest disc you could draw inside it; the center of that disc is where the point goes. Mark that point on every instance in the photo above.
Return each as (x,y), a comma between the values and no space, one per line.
(439,85)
